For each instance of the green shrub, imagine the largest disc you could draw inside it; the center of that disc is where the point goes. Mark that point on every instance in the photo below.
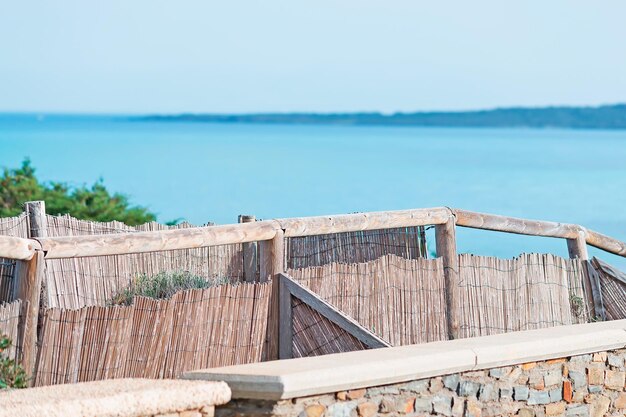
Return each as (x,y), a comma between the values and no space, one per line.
(12,375)
(163,285)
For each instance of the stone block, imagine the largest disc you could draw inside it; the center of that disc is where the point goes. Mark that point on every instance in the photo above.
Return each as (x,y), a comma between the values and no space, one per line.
(451,381)
(419,387)
(537,397)
(555,409)
(355,394)
(600,357)
(599,406)
(616,361)
(387,405)
(341,409)
(521,393)
(581,410)
(594,389)
(366,409)
(473,408)
(436,385)
(458,406)
(528,366)
(567,391)
(315,410)
(526,412)
(556,394)
(499,372)
(442,404)
(620,401)
(581,358)
(468,388)
(423,405)
(595,376)
(553,377)
(506,393)
(342,395)
(488,392)
(615,380)
(578,379)
(405,405)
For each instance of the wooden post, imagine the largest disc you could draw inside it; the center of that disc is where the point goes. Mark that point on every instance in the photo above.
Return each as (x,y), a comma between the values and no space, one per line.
(272,263)
(37,222)
(250,262)
(445,237)
(577,247)
(285,321)
(27,287)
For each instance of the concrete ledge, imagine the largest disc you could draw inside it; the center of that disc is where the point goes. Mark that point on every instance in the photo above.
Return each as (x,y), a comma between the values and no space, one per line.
(114,397)
(324,374)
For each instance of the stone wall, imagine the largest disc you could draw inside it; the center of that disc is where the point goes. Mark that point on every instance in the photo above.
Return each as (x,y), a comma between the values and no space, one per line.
(590,385)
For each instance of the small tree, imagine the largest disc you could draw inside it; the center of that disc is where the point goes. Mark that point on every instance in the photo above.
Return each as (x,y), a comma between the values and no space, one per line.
(88,203)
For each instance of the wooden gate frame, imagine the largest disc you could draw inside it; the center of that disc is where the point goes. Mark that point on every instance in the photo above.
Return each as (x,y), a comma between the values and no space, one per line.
(288,287)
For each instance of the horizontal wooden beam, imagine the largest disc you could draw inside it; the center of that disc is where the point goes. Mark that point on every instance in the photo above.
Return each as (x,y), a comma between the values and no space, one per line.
(308,226)
(515,225)
(320,305)
(606,243)
(141,242)
(18,248)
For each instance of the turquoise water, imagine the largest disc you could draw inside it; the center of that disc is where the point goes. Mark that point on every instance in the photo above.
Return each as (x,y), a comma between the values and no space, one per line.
(213,172)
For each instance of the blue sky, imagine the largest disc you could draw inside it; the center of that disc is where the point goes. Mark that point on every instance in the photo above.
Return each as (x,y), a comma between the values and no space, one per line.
(145,56)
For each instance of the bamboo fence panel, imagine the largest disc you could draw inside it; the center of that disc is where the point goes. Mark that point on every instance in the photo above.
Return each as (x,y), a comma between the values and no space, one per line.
(10,317)
(217,326)
(528,292)
(78,282)
(10,226)
(400,300)
(315,335)
(612,284)
(355,247)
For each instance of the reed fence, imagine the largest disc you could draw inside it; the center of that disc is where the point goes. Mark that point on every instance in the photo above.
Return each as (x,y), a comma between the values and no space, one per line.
(400,300)
(315,335)
(612,283)
(10,226)
(355,247)
(403,301)
(218,326)
(11,315)
(531,291)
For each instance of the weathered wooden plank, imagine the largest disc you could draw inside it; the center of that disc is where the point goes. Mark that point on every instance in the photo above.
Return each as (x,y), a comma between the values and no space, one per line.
(142,242)
(250,250)
(37,220)
(17,248)
(445,237)
(332,314)
(592,280)
(285,322)
(577,247)
(28,289)
(308,226)
(515,225)
(610,271)
(606,243)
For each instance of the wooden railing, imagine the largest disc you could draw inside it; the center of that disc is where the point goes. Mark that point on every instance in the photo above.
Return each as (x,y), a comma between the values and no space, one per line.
(271,233)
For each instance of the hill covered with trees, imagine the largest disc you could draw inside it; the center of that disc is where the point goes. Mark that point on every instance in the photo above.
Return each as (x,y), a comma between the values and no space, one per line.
(601,117)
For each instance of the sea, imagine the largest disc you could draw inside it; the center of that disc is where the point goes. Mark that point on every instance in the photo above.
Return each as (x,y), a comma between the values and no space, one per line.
(212,172)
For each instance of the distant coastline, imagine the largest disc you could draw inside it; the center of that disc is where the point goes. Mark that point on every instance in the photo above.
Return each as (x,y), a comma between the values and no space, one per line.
(600,117)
